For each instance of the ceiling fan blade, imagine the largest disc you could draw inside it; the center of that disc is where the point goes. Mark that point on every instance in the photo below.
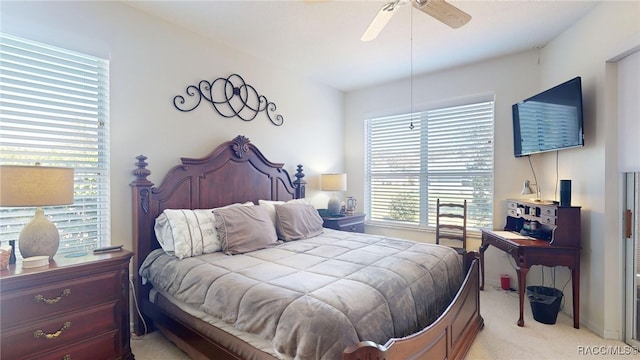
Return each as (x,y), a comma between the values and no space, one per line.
(380,21)
(443,11)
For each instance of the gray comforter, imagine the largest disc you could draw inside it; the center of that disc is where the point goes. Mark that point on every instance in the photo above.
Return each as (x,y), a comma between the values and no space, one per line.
(312,298)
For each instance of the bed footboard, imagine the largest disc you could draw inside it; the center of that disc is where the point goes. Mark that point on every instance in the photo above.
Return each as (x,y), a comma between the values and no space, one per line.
(449,337)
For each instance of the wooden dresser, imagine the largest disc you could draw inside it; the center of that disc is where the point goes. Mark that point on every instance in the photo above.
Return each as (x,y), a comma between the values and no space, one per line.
(75,308)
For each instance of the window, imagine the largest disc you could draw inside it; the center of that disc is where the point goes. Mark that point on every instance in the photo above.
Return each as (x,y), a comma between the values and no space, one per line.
(447,153)
(54,110)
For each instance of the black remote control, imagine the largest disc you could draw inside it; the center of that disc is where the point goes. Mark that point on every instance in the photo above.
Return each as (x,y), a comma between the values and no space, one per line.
(107,249)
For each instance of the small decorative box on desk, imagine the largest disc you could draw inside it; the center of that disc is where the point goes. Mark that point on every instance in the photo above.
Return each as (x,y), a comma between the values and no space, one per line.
(352,223)
(72,308)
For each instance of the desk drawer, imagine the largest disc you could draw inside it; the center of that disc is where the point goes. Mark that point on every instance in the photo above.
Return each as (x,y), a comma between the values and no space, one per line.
(547,211)
(549,220)
(64,330)
(35,303)
(504,245)
(508,247)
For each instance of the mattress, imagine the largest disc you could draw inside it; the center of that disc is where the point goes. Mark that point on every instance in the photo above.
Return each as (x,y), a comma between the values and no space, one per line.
(309,299)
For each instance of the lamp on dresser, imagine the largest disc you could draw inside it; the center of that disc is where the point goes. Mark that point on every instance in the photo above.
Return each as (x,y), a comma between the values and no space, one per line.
(333,182)
(36,186)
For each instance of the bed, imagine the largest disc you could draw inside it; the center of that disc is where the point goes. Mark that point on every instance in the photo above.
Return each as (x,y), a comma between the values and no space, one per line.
(321,308)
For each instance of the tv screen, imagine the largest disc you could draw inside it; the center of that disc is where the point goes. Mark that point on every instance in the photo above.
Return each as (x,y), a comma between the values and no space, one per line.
(549,121)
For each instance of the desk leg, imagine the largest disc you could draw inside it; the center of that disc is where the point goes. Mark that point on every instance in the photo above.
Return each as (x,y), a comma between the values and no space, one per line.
(482,249)
(522,287)
(575,282)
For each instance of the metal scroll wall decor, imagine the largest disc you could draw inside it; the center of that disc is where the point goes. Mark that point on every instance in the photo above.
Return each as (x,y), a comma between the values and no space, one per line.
(230,97)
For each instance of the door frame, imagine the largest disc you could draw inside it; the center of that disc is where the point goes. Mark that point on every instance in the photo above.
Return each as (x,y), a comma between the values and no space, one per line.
(632,305)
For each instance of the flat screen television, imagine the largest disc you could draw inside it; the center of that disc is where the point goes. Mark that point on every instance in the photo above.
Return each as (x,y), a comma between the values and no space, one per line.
(551,120)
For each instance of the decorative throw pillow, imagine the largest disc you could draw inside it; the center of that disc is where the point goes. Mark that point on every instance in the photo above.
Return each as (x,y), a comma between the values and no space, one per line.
(185,232)
(297,221)
(269,206)
(244,228)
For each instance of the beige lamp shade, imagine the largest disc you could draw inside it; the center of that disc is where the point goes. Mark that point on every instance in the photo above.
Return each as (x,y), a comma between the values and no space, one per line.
(26,186)
(333,182)
(22,186)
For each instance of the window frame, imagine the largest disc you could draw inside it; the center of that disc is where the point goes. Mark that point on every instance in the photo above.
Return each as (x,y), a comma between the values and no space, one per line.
(54,110)
(424,199)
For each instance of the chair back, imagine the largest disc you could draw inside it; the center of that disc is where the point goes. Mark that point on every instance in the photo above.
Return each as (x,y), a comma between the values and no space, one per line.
(451,225)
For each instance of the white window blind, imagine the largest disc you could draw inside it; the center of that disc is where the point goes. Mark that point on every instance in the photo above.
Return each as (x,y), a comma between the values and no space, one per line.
(448,155)
(54,110)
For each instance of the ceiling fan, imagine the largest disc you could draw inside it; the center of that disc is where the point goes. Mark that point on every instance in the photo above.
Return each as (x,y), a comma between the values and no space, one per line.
(439,9)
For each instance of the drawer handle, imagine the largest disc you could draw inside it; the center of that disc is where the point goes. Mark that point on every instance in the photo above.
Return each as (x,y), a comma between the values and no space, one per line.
(66,357)
(39,333)
(42,299)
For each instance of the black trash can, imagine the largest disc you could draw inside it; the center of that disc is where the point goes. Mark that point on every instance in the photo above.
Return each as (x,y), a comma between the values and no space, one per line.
(545,303)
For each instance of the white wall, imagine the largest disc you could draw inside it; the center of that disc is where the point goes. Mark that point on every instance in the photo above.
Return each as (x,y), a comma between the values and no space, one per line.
(152,61)
(582,50)
(585,49)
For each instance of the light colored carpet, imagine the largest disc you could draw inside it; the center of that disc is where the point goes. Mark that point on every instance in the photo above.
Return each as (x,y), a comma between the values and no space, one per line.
(500,338)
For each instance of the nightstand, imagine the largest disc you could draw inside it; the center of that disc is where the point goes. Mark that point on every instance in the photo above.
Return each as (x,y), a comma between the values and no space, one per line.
(74,308)
(352,223)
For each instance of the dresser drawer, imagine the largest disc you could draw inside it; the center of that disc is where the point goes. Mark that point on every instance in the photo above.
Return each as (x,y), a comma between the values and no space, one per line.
(352,223)
(101,347)
(35,303)
(65,330)
(352,227)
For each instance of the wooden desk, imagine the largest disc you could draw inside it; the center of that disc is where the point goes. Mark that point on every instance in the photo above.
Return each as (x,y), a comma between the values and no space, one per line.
(527,252)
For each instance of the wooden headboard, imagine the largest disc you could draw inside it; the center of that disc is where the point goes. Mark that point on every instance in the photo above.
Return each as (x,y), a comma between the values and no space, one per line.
(235,171)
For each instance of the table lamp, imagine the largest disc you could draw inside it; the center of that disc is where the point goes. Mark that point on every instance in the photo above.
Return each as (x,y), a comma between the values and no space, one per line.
(333,182)
(27,186)
(526,189)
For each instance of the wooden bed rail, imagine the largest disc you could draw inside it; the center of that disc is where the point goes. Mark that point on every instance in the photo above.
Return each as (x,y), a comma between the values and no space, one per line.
(449,337)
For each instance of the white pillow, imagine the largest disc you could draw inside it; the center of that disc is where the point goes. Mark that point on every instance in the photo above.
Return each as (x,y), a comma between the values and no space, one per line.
(185,232)
(269,205)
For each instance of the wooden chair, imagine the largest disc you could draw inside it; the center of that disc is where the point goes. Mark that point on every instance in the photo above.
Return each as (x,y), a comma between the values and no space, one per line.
(451,224)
